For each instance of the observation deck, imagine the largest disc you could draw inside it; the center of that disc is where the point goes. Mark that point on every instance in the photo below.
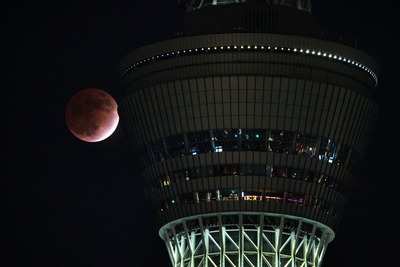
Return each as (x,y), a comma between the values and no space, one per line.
(250,131)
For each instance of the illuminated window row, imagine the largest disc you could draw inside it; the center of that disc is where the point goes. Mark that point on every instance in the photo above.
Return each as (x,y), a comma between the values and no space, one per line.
(197,4)
(277,141)
(246,195)
(244,170)
(252,48)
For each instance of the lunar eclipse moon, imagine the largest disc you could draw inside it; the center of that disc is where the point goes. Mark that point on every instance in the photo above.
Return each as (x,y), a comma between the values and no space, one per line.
(92,115)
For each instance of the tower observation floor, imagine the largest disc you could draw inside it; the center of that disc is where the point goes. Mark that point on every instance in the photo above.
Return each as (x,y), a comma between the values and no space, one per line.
(250,141)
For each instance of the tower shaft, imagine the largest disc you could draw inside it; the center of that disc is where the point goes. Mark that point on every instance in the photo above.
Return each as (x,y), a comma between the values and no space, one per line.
(249,140)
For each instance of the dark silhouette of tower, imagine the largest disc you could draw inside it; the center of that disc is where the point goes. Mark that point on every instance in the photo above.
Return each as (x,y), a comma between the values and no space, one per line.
(250,126)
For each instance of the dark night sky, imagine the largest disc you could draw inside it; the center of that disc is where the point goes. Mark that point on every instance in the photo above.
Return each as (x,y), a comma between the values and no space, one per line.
(71,203)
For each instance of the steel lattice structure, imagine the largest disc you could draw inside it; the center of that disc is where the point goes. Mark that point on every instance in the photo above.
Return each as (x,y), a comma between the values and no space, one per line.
(250,127)
(258,243)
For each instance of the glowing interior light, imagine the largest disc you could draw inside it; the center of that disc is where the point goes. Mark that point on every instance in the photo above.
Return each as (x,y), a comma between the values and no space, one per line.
(218,149)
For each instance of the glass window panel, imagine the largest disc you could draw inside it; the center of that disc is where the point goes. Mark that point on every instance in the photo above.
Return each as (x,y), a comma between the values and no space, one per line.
(253,140)
(281,141)
(225,140)
(305,145)
(176,146)
(329,150)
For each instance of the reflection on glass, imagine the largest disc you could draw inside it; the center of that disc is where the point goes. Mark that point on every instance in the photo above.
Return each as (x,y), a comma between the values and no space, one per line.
(170,178)
(217,141)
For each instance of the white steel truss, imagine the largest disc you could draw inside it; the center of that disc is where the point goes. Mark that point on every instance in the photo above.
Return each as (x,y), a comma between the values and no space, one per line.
(247,245)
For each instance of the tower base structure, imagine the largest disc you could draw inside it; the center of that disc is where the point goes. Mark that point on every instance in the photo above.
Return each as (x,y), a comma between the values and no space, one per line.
(246,240)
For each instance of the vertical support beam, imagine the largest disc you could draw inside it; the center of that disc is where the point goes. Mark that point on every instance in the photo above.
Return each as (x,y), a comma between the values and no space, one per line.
(296,242)
(260,232)
(293,240)
(223,251)
(189,242)
(299,4)
(205,256)
(311,243)
(305,250)
(240,241)
(179,256)
(206,246)
(321,248)
(193,244)
(278,241)
(325,242)
(298,232)
(182,247)
(170,249)
(222,241)
(277,246)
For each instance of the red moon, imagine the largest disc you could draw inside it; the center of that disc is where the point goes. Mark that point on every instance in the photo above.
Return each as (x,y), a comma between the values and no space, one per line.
(92,115)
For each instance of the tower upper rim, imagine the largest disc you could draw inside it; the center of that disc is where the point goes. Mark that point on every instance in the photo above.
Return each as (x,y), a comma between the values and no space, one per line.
(307,46)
